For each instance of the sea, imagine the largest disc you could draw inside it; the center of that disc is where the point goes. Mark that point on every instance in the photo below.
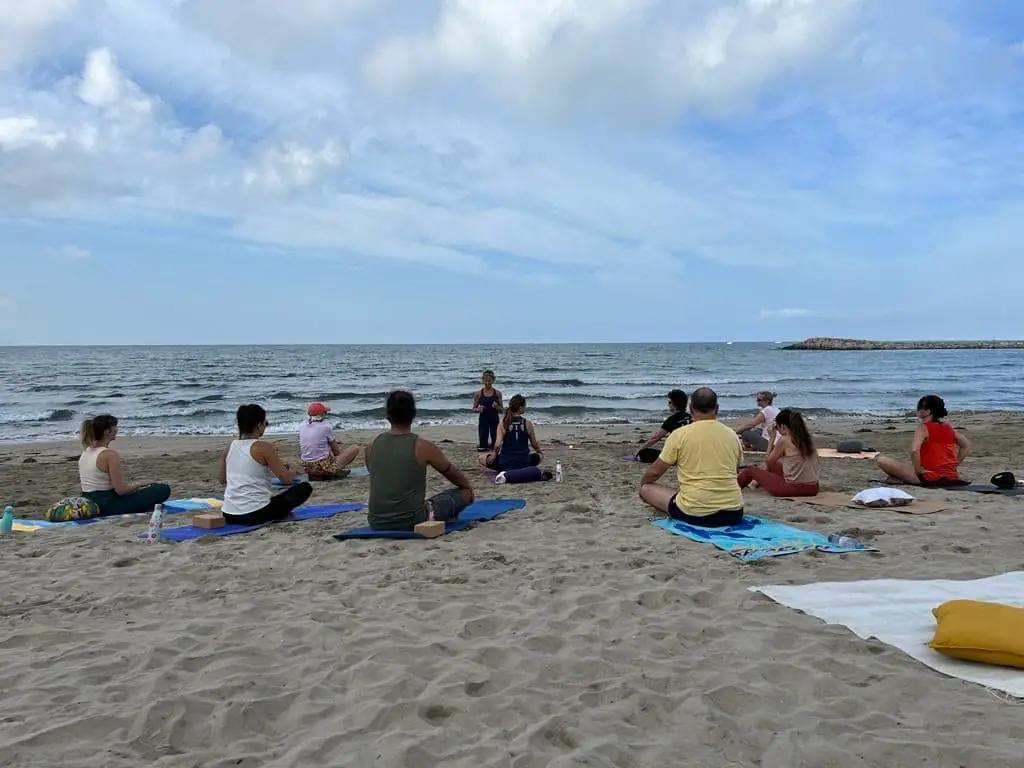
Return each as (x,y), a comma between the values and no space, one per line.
(194,390)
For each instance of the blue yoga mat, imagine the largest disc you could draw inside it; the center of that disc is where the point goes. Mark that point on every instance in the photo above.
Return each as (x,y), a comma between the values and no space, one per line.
(756,538)
(478,511)
(315,512)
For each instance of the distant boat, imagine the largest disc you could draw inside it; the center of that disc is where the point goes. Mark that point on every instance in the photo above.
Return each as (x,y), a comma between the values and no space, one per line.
(728,343)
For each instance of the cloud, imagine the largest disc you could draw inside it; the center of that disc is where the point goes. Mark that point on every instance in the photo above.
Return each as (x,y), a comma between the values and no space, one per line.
(655,56)
(73,253)
(786,313)
(603,147)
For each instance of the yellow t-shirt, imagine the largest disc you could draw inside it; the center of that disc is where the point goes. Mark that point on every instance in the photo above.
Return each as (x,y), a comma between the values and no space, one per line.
(705,455)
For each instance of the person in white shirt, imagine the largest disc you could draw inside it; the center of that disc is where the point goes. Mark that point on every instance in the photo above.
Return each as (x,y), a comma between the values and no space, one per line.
(247,468)
(102,477)
(758,433)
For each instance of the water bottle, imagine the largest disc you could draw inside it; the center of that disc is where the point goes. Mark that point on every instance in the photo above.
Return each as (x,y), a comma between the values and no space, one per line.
(845,542)
(7,523)
(558,472)
(156,522)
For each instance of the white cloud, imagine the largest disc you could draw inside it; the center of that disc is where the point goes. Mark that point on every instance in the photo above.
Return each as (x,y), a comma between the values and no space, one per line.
(655,56)
(73,253)
(786,313)
(423,132)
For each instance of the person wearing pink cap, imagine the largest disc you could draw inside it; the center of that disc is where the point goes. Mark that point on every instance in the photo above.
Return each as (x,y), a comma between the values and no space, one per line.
(323,457)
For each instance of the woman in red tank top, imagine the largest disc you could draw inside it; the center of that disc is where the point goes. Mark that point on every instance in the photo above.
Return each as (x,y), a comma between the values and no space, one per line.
(936,452)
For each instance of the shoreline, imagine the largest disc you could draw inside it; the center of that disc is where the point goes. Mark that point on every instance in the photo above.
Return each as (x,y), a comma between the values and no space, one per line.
(463,435)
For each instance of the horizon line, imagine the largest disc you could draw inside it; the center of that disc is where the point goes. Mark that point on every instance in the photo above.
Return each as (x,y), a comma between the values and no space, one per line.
(506,343)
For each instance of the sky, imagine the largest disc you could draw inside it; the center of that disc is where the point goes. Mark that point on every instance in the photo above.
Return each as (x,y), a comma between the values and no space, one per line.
(406,171)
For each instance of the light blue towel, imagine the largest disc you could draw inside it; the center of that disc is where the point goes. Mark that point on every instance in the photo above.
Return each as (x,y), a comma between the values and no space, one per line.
(170,508)
(756,538)
(478,511)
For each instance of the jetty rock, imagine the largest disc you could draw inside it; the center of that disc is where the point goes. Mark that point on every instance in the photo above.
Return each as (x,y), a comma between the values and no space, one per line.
(825,343)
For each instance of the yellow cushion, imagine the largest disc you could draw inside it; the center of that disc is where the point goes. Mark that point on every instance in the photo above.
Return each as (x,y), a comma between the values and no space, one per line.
(990,633)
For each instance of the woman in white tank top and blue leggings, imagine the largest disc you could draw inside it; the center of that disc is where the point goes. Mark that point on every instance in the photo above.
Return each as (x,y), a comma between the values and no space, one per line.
(247,469)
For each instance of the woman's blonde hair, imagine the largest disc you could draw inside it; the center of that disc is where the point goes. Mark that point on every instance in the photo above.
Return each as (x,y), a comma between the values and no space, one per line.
(93,430)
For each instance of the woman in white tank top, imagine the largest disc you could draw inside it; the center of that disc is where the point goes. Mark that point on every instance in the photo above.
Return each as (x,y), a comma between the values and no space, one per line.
(757,433)
(247,468)
(99,470)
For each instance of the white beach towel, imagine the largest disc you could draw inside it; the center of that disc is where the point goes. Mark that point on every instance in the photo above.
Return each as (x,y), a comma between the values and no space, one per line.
(899,612)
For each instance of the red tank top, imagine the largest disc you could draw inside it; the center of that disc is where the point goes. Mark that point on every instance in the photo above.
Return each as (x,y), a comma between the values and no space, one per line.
(939,452)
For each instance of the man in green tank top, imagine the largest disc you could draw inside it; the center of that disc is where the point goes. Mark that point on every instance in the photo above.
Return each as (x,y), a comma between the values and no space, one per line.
(398,462)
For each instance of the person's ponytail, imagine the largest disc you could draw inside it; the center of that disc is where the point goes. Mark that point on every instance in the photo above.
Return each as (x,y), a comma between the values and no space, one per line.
(95,429)
(517,403)
(85,433)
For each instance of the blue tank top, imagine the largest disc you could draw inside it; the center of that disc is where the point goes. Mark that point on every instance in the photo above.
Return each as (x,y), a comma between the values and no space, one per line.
(486,402)
(515,448)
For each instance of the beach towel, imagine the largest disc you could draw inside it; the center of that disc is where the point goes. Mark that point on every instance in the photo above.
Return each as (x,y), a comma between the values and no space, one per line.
(192,505)
(354,472)
(987,488)
(313,512)
(174,506)
(899,612)
(296,480)
(832,453)
(478,511)
(756,538)
(833,499)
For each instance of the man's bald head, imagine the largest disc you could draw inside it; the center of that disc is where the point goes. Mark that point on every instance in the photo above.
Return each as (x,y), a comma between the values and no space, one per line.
(704,402)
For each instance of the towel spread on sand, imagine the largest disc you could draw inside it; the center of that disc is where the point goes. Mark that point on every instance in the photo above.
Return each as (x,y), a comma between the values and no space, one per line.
(833,499)
(988,488)
(313,512)
(756,538)
(478,511)
(899,612)
(170,507)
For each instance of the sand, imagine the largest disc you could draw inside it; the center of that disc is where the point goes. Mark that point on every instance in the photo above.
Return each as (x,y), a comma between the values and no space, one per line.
(570,633)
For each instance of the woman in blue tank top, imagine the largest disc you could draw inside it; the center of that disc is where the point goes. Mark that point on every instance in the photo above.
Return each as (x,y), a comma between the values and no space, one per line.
(514,440)
(487,402)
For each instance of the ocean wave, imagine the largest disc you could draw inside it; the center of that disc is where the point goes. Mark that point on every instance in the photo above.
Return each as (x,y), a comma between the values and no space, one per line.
(55,415)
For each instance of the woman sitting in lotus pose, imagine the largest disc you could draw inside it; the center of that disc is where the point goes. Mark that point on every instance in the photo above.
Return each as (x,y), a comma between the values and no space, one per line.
(247,469)
(515,437)
(792,465)
(936,452)
(101,475)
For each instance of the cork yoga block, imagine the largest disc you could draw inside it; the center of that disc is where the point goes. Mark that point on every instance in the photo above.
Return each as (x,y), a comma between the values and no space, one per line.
(208,520)
(430,529)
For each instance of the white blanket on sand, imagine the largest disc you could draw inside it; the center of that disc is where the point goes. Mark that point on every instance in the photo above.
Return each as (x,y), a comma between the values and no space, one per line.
(899,612)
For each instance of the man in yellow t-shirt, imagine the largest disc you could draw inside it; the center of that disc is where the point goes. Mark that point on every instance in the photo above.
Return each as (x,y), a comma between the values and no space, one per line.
(706,455)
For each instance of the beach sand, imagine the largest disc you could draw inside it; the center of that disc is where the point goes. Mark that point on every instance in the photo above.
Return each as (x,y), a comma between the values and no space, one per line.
(570,633)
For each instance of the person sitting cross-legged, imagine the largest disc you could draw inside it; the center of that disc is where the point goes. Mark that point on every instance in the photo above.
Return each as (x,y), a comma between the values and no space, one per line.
(792,463)
(516,436)
(705,454)
(398,461)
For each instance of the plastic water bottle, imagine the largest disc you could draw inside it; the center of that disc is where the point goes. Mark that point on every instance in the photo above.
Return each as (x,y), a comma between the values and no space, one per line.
(156,523)
(845,542)
(558,472)
(7,523)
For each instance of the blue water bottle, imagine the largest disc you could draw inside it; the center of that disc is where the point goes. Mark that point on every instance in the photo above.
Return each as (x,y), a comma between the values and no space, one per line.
(7,523)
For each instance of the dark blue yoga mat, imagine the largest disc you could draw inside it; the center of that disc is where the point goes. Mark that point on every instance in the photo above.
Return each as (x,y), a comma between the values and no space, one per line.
(478,511)
(314,512)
